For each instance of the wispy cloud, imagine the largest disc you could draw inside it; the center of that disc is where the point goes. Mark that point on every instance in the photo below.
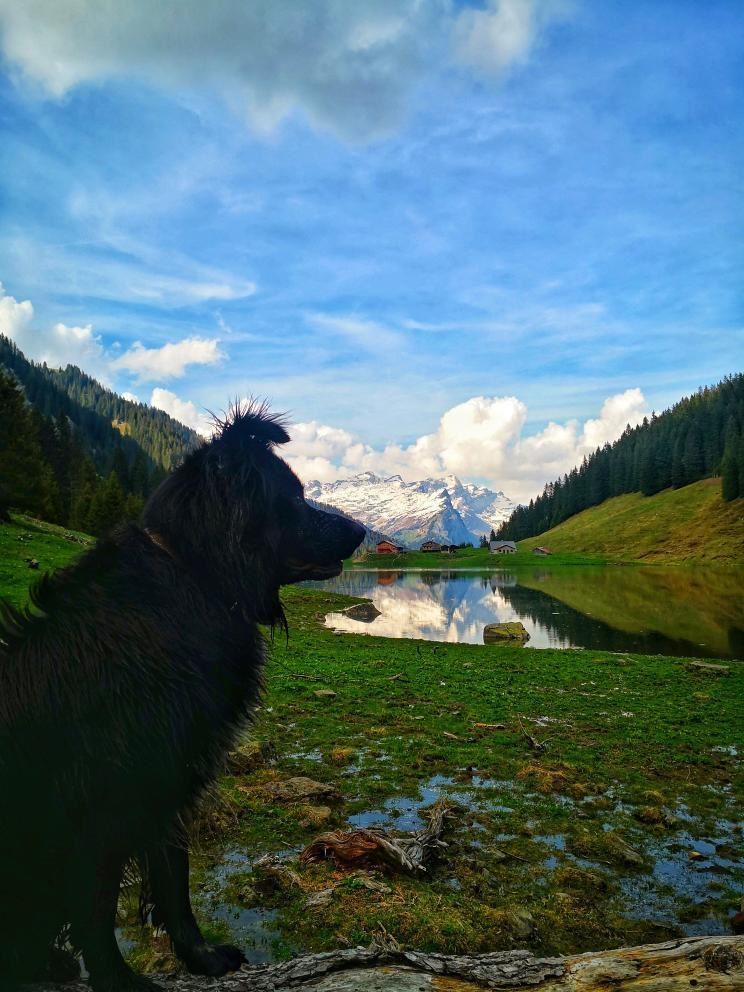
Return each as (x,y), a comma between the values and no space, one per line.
(347,67)
(366,334)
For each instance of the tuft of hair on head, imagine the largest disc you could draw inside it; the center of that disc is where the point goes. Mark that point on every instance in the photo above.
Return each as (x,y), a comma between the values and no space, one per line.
(250,420)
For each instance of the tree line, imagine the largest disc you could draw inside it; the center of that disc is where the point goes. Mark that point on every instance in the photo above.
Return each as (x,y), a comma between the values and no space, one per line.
(75,453)
(699,437)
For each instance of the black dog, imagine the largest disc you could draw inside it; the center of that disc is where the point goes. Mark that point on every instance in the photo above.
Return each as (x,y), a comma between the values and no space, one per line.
(124,686)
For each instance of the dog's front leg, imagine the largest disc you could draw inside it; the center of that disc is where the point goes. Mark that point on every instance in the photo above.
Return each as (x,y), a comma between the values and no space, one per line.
(93,918)
(167,869)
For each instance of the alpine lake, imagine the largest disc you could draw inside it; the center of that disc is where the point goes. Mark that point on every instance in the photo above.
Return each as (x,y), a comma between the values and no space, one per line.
(688,611)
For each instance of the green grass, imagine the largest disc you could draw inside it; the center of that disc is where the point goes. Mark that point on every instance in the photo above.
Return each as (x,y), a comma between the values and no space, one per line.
(629,737)
(466,558)
(677,525)
(638,748)
(28,538)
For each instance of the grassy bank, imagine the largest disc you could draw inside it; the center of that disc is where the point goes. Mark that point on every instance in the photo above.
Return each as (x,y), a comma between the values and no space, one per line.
(25,540)
(678,525)
(469,559)
(621,830)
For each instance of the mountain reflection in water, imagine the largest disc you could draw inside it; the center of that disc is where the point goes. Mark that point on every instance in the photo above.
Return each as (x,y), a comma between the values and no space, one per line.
(651,610)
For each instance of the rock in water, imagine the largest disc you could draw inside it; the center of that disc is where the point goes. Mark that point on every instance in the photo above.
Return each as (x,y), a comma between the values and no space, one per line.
(366,612)
(512,630)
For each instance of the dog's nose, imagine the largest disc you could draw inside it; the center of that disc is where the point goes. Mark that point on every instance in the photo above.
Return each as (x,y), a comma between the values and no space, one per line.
(355,536)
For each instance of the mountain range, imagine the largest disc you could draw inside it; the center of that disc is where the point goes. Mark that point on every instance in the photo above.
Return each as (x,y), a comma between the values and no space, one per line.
(445,510)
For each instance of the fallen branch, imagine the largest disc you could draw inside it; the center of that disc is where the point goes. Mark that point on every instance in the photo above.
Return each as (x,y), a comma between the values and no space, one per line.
(709,964)
(358,848)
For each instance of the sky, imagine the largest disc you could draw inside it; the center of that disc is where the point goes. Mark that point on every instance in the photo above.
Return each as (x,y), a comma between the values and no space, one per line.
(445,236)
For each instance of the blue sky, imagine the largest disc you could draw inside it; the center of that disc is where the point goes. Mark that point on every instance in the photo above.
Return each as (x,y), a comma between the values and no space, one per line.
(376,213)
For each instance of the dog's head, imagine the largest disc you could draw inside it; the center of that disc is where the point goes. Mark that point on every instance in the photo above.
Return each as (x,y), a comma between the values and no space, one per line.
(236,513)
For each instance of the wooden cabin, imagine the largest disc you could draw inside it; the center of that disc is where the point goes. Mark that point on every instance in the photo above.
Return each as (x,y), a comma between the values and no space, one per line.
(388,548)
(541,551)
(430,546)
(502,547)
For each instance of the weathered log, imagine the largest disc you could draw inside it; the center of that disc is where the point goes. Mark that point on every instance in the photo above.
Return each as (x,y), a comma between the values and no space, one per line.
(358,848)
(708,964)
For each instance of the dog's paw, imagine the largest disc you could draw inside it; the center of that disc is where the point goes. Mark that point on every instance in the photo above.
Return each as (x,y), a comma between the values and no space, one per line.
(213,959)
(62,966)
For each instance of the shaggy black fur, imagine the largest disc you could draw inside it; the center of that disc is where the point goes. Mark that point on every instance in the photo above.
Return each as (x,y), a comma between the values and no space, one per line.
(124,685)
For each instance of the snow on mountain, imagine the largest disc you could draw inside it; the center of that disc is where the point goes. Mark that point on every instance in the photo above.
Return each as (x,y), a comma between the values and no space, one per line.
(480,508)
(444,510)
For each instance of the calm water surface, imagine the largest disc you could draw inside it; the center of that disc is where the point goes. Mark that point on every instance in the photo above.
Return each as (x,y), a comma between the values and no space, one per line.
(685,611)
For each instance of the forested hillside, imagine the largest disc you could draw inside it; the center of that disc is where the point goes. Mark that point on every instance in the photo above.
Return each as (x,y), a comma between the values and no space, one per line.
(700,437)
(74,452)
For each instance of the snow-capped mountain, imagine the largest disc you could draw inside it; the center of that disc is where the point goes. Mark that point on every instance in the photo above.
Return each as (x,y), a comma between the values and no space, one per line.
(444,510)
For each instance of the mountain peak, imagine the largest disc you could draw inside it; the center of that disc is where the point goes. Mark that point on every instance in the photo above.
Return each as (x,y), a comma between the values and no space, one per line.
(442,509)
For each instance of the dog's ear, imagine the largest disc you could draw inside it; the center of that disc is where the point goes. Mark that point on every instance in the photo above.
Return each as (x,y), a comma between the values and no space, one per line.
(248,424)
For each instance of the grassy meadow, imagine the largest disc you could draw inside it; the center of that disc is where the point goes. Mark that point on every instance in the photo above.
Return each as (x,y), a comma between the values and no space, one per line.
(677,525)
(622,830)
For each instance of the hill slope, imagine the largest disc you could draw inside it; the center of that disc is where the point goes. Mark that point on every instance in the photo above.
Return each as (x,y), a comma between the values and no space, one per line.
(688,524)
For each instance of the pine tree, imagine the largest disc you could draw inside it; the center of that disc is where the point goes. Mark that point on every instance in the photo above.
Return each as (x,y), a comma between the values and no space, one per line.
(693,455)
(26,480)
(107,506)
(649,480)
(679,477)
(730,472)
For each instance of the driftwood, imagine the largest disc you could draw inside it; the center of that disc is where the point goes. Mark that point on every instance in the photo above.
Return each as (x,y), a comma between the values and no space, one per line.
(373,846)
(708,964)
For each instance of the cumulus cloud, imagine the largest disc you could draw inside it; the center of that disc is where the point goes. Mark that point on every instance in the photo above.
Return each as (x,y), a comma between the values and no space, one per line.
(58,345)
(348,67)
(481,440)
(169,361)
(182,410)
(63,344)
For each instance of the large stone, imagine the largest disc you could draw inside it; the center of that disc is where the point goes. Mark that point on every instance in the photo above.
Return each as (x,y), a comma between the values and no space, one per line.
(249,756)
(512,630)
(313,816)
(706,668)
(364,612)
(301,789)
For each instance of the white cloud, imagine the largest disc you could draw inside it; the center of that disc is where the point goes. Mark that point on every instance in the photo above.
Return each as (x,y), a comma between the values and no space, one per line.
(169,361)
(182,410)
(480,440)
(348,67)
(61,344)
(501,35)
(58,345)
(165,289)
(15,317)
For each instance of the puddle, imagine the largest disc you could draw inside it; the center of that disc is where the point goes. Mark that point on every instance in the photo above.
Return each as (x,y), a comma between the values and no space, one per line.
(305,755)
(692,881)
(255,930)
(403,812)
